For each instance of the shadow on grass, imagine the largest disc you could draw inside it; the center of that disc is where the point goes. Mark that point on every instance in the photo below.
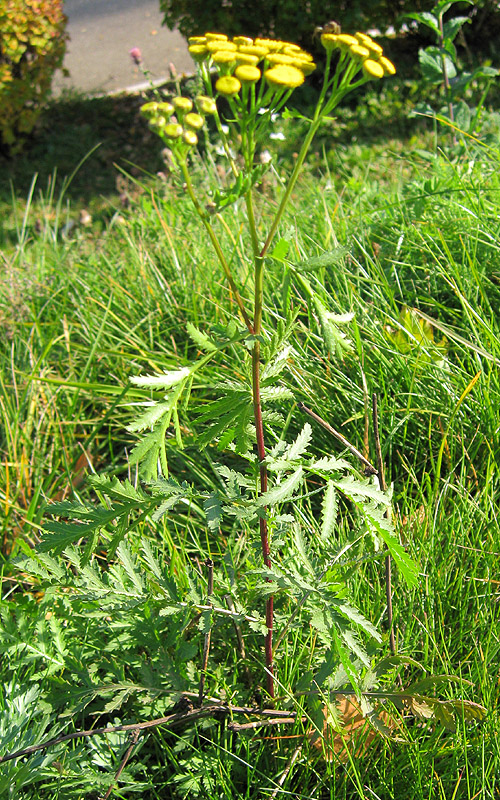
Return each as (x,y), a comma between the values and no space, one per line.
(109,128)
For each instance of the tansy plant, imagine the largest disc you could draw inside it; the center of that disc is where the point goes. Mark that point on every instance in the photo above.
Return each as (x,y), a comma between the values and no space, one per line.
(256,78)
(286,494)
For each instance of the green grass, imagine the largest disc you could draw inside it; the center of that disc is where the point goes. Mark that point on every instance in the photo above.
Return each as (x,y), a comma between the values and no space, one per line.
(84,310)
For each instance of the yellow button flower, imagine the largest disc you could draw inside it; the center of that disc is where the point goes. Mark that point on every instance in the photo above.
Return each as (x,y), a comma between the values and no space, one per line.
(329,41)
(173,131)
(373,69)
(387,66)
(149,108)
(244,58)
(242,40)
(228,85)
(280,58)
(305,66)
(358,52)
(216,46)
(223,57)
(247,74)
(212,37)
(197,40)
(254,50)
(206,104)
(198,52)
(271,45)
(285,76)
(345,40)
(194,121)
(182,104)
(190,138)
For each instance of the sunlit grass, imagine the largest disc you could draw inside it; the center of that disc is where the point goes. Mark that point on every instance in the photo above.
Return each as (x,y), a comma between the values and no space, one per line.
(421,272)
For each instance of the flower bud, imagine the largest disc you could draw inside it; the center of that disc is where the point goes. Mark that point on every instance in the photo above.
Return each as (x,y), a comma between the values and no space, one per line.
(190,138)
(206,104)
(373,69)
(387,66)
(198,52)
(284,75)
(173,131)
(194,121)
(358,52)
(247,74)
(228,85)
(182,104)
(212,37)
(242,40)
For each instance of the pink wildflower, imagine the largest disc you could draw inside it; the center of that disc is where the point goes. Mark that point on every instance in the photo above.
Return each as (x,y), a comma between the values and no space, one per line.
(136,56)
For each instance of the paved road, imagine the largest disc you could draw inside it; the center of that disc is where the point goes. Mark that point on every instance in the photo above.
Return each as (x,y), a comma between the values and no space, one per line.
(102,32)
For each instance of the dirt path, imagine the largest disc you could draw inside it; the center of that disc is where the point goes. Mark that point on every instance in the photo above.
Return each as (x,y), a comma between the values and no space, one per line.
(102,34)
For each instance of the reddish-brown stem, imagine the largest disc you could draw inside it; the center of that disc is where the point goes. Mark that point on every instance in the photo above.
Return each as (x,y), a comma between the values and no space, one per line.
(264,536)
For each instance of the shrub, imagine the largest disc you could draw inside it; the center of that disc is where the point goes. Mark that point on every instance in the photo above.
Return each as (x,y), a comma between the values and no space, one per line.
(288,19)
(32,46)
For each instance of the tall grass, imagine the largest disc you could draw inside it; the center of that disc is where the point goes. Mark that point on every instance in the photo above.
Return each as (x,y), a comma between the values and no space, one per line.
(420,268)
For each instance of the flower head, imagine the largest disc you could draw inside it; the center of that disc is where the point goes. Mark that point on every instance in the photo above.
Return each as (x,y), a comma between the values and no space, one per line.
(247,74)
(223,57)
(173,131)
(190,138)
(194,121)
(373,69)
(182,104)
(136,56)
(285,76)
(206,104)
(198,52)
(387,66)
(213,37)
(228,85)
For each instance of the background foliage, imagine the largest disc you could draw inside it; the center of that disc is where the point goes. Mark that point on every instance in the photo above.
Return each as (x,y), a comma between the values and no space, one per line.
(32,46)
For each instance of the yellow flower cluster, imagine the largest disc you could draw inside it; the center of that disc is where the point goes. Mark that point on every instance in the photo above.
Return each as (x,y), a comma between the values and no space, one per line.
(242,61)
(363,49)
(185,124)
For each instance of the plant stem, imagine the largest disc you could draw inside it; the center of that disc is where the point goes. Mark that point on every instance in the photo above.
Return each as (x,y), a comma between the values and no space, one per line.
(216,245)
(261,455)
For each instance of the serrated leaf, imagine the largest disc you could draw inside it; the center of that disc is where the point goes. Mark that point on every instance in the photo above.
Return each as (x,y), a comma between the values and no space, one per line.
(298,447)
(282,491)
(361,490)
(200,339)
(471,712)
(336,340)
(322,625)
(149,446)
(274,393)
(444,714)
(149,418)
(116,489)
(329,508)
(129,564)
(405,564)
(350,670)
(329,464)
(452,26)
(213,510)
(300,544)
(164,381)
(352,614)
(60,535)
(205,622)
(280,250)
(328,259)
(427,19)
(355,646)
